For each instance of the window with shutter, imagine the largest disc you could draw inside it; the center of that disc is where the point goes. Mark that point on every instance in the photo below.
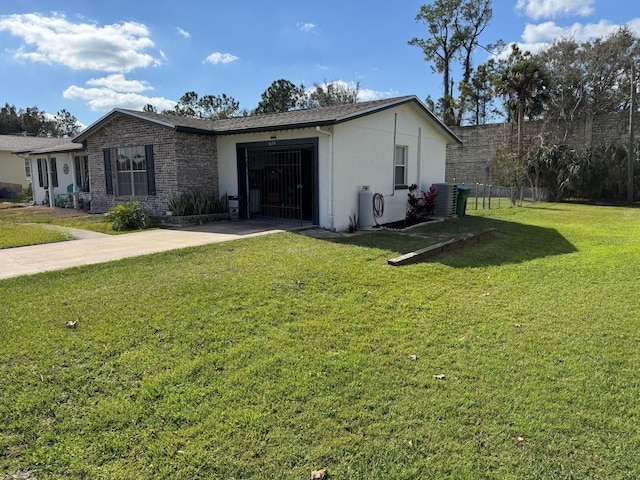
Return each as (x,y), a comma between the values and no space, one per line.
(106,153)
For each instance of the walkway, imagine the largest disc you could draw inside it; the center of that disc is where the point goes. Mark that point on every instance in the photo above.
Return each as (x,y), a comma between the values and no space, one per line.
(91,247)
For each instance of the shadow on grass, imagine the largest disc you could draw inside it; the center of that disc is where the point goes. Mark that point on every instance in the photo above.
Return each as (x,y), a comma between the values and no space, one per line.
(513,243)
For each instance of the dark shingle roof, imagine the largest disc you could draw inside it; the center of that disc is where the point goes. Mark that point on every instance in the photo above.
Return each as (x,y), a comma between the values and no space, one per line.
(278,121)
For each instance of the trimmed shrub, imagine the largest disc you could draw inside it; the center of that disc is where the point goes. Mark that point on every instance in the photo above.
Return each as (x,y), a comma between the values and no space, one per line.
(128,216)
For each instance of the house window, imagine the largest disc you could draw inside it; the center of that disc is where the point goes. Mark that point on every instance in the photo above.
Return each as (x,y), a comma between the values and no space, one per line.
(131,165)
(400,167)
(82,172)
(43,172)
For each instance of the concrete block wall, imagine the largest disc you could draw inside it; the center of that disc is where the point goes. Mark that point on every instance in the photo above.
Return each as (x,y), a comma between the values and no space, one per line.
(472,162)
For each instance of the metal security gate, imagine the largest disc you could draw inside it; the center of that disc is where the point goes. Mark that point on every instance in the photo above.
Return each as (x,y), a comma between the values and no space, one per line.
(280,183)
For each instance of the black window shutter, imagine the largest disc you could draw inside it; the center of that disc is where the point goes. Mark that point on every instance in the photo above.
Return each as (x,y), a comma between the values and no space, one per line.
(151,171)
(40,178)
(54,172)
(107,171)
(78,172)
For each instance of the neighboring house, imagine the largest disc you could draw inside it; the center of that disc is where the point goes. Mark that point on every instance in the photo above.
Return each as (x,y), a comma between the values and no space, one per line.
(15,171)
(304,165)
(63,166)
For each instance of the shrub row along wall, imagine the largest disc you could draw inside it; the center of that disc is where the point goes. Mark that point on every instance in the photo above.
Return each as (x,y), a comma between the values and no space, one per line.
(472,162)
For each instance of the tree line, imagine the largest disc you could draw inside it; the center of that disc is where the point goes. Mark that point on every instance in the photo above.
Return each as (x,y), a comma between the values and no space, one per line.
(281,96)
(34,122)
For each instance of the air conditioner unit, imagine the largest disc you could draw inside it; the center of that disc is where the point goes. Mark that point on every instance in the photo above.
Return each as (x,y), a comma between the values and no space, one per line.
(447,199)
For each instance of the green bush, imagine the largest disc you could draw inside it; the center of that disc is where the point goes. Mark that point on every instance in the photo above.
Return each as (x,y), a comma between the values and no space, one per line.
(128,216)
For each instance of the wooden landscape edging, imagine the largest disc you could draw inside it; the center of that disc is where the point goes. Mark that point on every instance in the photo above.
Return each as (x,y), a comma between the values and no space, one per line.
(433,250)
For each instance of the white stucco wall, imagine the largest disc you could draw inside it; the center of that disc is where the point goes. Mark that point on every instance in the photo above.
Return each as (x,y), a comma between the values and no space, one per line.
(362,154)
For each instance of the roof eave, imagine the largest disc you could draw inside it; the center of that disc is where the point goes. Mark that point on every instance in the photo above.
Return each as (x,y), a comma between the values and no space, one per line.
(275,128)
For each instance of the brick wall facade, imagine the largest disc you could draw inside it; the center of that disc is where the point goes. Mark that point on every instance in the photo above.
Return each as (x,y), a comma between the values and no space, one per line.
(182,162)
(471,162)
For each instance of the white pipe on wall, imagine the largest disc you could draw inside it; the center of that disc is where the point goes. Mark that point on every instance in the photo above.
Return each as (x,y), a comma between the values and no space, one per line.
(327,132)
(419,155)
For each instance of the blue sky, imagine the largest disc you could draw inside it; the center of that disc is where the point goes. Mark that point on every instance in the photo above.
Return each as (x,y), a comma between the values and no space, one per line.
(89,56)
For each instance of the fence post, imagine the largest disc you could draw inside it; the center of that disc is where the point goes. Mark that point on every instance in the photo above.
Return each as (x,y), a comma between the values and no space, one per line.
(477,189)
(490,196)
(499,195)
(484,194)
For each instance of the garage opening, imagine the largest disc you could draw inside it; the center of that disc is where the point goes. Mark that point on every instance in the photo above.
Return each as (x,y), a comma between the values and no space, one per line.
(279,182)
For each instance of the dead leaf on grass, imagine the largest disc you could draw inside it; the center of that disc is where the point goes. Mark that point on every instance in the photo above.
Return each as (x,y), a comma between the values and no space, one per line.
(517,325)
(70,323)
(319,474)
(440,376)
(413,358)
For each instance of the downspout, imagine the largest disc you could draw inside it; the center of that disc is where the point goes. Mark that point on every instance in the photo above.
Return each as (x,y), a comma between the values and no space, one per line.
(393,171)
(419,155)
(327,132)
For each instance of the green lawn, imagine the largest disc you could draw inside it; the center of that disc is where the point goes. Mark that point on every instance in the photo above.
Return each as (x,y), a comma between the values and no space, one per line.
(26,225)
(273,356)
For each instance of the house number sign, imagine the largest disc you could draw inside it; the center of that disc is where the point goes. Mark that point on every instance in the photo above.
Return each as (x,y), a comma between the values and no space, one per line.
(65,169)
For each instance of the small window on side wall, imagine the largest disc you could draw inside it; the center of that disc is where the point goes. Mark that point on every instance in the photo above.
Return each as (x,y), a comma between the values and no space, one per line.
(400,168)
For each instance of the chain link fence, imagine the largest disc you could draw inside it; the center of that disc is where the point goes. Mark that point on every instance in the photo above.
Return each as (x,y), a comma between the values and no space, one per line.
(485,196)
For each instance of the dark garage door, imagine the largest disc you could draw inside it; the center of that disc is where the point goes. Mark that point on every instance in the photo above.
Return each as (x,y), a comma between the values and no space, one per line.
(279,183)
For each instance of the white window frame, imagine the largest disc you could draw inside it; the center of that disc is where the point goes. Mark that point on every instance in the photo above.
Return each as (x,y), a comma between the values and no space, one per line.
(400,164)
(131,187)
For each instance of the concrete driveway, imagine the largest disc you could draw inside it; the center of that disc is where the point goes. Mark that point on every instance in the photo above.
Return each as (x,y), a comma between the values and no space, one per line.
(91,247)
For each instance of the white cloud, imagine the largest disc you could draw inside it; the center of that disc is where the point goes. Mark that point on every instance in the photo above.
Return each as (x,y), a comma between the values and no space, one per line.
(80,46)
(219,57)
(549,31)
(366,94)
(537,37)
(106,99)
(537,9)
(183,32)
(118,83)
(306,26)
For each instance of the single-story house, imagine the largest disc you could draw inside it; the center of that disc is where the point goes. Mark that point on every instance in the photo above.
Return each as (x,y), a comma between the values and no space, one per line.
(15,167)
(303,165)
(63,166)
